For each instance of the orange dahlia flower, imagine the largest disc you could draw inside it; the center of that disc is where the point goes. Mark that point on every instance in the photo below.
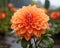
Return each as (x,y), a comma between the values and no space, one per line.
(10,5)
(55,15)
(2,15)
(29,21)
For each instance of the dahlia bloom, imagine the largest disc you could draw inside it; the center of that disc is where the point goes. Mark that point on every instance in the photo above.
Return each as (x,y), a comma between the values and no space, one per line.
(29,21)
(10,5)
(2,15)
(55,15)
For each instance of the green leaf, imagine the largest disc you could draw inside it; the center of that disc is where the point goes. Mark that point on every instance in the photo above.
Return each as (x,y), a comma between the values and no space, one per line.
(18,40)
(31,46)
(33,3)
(40,46)
(48,42)
(50,31)
(24,43)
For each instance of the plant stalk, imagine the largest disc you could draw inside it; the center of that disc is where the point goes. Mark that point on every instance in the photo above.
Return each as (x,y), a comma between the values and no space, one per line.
(35,43)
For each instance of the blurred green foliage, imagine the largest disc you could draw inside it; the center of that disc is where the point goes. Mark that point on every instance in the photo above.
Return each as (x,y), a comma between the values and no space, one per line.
(5,22)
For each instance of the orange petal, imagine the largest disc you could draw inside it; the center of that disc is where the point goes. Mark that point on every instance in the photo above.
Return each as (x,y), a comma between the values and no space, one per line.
(35,33)
(22,31)
(42,31)
(15,27)
(44,26)
(27,36)
(30,30)
(18,34)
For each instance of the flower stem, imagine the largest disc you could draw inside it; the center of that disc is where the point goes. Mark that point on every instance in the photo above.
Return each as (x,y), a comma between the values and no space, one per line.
(35,43)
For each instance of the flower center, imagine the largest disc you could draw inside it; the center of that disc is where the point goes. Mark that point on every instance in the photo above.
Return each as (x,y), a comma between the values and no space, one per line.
(28,18)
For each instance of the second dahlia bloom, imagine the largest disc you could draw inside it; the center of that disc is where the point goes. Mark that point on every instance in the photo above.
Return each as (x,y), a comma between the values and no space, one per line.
(2,15)
(10,5)
(29,21)
(55,15)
